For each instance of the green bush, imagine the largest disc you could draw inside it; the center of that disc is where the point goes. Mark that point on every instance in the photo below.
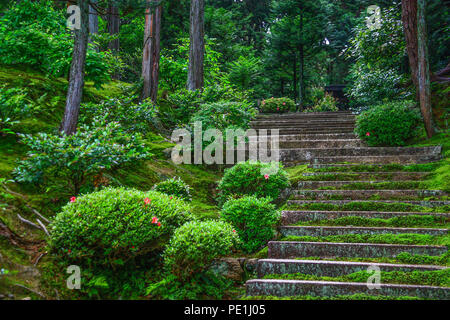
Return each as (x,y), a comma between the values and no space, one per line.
(132,116)
(79,157)
(249,178)
(14,106)
(114,226)
(277,105)
(253,218)
(327,103)
(174,187)
(390,124)
(195,245)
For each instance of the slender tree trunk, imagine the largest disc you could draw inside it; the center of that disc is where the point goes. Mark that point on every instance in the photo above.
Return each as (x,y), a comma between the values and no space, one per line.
(93,22)
(151,53)
(409,20)
(76,75)
(197,45)
(294,69)
(113,27)
(424,69)
(302,63)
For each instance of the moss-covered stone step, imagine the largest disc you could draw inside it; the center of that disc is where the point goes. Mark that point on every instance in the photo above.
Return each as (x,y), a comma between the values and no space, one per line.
(312,130)
(385,176)
(303,115)
(340,143)
(293,249)
(281,288)
(423,203)
(296,216)
(292,160)
(330,268)
(303,123)
(319,136)
(375,167)
(359,185)
(365,194)
(318,231)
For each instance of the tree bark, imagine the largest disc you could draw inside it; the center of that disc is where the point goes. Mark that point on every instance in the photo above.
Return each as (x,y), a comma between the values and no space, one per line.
(76,75)
(151,52)
(113,27)
(197,45)
(409,21)
(301,87)
(93,22)
(424,69)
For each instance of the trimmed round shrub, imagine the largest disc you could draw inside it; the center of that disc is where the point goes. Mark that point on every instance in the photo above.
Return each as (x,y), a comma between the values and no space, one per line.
(174,187)
(277,105)
(115,225)
(195,245)
(250,178)
(326,104)
(254,219)
(390,124)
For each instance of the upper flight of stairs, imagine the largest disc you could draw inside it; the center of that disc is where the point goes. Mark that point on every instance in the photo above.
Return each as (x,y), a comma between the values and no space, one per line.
(333,226)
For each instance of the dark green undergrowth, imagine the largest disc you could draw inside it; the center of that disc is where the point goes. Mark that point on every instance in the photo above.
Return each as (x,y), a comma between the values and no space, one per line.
(439,278)
(414,239)
(413,221)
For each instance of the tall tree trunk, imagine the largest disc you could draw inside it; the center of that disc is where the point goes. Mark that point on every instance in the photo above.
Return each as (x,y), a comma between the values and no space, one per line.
(197,45)
(151,52)
(93,22)
(424,69)
(76,75)
(409,20)
(301,90)
(113,26)
(294,69)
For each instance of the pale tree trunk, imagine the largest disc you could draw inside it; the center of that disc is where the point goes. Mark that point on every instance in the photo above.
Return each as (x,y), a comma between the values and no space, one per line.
(151,52)
(76,75)
(197,45)
(409,20)
(424,69)
(93,21)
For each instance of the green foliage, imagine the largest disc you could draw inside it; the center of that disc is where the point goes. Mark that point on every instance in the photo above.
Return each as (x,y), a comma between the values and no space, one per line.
(133,117)
(174,187)
(245,72)
(327,103)
(254,219)
(14,106)
(112,227)
(77,158)
(390,124)
(34,34)
(277,105)
(195,245)
(253,178)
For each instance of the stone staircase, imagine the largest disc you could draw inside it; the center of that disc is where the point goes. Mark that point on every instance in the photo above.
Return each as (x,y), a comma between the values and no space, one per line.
(352,212)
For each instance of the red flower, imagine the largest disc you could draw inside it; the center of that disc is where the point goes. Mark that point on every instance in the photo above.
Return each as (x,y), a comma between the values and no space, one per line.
(278,108)
(159,224)
(171,198)
(368,134)
(234,231)
(132,247)
(154,220)
(266,176)
(69,251)
(147,200)
(73,199)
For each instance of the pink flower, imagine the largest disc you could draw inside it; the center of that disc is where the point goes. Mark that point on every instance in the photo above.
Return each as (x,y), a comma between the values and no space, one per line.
(234,231)
(284,103)
(368,134)
(266,176)
(171,198)
(147,200)
(154,220)
(159,224)
(73,199)
(278,108)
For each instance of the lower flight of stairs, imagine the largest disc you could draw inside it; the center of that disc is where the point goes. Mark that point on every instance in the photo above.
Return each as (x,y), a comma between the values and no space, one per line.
(342,223)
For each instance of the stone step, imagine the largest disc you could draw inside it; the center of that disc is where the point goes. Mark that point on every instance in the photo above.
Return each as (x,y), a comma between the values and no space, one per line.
(423,203)
(332,231)
(312,130)
(309,154)
(393,159)
(283,288)
(296,249)
(306,115)
(323,268)
(388,176)
(319,136)
(302,122)
(337,184)
(302,125)
(297,216)
(295,144)
(365,194)
(349,166)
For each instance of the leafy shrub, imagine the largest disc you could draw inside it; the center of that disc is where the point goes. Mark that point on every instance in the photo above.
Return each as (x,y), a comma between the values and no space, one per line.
(174,187)
(277,105)
(115,225)
(390,124)
(327,103)
(133,117)
(245,72)
(253,218)
(195,245)
(34,34)
(14,106)
(77,158)
(249,178)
